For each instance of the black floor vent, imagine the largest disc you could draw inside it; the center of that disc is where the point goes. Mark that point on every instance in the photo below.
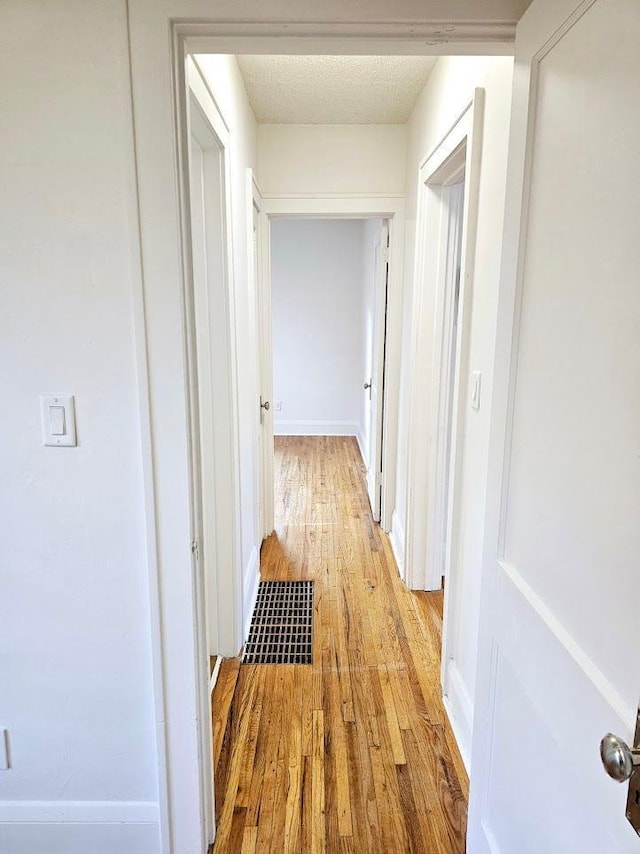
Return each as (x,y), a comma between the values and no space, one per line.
(282,624)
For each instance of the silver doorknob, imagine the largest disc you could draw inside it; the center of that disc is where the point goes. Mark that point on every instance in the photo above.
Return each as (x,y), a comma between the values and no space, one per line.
(265,405)
(367,385)
(618,758)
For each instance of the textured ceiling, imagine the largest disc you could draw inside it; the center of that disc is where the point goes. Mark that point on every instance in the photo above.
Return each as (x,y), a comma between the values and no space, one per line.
(334,89)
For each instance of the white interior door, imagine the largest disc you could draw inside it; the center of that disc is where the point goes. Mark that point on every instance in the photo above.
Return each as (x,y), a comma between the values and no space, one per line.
(262,413)
(264,356)
(559,662)
(374,384)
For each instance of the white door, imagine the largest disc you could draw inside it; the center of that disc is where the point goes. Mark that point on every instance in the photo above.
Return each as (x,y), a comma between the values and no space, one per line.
(262,402)
(559,663)
(374,385)
(264,357)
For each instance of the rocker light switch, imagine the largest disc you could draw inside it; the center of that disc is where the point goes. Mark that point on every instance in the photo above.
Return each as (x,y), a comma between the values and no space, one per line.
(58,420)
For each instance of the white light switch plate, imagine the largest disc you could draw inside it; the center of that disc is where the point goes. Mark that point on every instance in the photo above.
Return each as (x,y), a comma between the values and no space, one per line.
(58,414)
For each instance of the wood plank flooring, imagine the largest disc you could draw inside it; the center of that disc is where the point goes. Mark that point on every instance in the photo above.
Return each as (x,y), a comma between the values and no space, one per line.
(354,753)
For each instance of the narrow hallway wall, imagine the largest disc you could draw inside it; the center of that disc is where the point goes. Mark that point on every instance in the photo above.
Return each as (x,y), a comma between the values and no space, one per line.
(448,91)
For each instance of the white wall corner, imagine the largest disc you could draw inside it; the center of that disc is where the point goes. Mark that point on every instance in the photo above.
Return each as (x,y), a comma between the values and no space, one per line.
(250,592)
(396,538)
(459,707)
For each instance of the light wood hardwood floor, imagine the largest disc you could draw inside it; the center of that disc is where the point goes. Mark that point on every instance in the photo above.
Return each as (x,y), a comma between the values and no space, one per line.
(353,753)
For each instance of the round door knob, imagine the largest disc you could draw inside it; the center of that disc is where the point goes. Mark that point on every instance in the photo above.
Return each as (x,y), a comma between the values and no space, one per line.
(265,405)
(617,757)
(367,385)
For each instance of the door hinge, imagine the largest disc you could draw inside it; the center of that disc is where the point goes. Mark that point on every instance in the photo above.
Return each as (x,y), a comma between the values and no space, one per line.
(194,549)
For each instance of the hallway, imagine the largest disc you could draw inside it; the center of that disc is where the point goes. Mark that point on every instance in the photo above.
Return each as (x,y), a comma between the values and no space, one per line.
(353,753)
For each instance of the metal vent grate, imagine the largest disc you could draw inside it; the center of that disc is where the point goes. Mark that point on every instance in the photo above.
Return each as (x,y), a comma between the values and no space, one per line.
(281,629)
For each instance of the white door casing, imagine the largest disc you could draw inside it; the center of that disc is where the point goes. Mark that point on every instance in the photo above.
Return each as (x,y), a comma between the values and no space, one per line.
(428,512)
(259,267)
(558,664)
(161,32)
(376,380)
(338,206)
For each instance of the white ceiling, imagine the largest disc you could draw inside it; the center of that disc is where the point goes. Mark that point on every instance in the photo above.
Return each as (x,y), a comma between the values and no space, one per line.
(334,89)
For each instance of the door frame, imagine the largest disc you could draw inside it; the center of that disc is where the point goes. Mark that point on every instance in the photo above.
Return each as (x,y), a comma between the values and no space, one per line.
(337,206)
(160,34)
(260,272)
(222,403)
(211,488)
(429,379)
(375,465)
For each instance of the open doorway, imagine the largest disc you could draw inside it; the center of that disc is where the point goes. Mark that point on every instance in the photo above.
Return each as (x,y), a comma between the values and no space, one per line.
(329,304)
(451,247)
(366,551)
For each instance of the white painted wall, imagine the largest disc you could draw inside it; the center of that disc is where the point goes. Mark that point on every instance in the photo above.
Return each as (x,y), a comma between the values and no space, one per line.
(448,90)
(362,159)
(318,325)
(226,84)
(75,667)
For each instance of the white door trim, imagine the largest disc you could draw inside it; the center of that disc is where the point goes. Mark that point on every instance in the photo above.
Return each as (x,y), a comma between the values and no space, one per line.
(429,365)
(221,416)
(264,356)
(391,208)
(156,62)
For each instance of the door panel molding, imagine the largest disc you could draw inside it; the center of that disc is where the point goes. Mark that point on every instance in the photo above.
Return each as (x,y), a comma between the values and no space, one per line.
(527,645)
(553,677)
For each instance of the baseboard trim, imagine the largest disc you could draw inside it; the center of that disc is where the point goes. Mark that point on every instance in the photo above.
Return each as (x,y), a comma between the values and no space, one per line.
(316,428)
(361,446)
(79,812)
(396,537)
(250,592)
(215,673)
(459,708)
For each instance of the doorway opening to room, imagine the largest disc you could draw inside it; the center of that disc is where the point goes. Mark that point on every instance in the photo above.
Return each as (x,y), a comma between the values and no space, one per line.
(329,281)
(323,292)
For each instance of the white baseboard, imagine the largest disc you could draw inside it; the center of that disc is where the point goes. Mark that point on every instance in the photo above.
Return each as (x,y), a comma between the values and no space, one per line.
(215,673)
(78,836)
(250,592)
(459,708)
(316,428)
(396,538)
(362,445)
(79,812)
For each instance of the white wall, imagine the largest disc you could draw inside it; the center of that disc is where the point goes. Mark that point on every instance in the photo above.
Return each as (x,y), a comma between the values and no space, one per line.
(226,84)
(75,667)
(318,325)
(448,90)
(363,159)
